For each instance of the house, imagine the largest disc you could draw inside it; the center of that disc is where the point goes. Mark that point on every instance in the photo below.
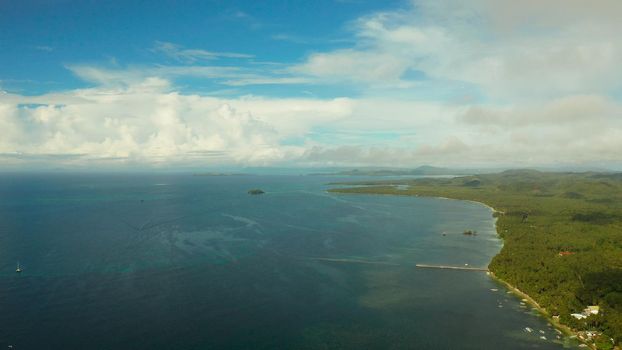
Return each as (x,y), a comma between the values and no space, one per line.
(591,310)
(587,312)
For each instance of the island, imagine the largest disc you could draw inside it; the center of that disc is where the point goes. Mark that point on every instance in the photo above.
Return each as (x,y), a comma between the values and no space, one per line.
(424,170)
(255,191)
(219,174)
(562,236)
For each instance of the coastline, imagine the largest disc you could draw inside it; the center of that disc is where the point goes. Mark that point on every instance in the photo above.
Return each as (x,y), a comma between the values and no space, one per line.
(529,300)
(511,288)
(524,296)
(517,292)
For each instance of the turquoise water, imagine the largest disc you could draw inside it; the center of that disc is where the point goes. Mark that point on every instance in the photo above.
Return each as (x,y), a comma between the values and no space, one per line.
(186,262)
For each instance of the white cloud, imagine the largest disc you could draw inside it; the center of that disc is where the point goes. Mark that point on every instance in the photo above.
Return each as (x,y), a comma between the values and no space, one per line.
(225,75)
(511,50)
(545,71)
(511,16)
(353,65)
(579,130)
(180,54)
(265,80)
(571,111)
(134,75)
(43,48)
(146,123)
(570,129)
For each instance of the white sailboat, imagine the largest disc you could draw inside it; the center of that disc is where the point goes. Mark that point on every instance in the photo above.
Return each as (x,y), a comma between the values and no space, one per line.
(18,269)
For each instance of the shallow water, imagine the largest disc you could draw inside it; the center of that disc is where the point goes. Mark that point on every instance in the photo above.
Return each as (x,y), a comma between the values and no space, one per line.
(188,262)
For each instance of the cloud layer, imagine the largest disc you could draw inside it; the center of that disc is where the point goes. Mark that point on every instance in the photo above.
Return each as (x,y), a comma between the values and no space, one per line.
(147,124)
(512,50)
(441,82)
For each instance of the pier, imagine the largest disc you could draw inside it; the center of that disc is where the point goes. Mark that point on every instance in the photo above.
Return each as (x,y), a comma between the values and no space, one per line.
(445,267)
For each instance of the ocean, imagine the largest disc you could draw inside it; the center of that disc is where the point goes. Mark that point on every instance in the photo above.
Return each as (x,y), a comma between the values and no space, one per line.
(176,261)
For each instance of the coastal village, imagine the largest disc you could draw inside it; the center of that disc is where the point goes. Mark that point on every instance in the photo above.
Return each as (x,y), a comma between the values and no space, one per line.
(587,312)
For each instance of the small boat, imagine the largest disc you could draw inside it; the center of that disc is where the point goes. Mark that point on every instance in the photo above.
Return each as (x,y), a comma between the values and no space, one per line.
(18,269)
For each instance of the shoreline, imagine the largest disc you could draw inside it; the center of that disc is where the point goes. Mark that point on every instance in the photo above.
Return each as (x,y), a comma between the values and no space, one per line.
(542,311)
(519,293)
(510,287)
(524,296)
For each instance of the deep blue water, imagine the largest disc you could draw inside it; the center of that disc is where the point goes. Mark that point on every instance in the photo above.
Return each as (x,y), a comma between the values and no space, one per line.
(188,262)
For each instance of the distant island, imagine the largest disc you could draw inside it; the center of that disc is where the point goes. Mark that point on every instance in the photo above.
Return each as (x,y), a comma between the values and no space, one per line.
(420,171)
(562,237)
(255,191)
(218,174)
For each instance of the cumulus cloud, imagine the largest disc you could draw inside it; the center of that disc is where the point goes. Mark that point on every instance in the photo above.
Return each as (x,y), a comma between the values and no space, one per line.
(147,124)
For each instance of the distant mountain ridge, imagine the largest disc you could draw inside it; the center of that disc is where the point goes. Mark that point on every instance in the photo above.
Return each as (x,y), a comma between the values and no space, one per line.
(419,171)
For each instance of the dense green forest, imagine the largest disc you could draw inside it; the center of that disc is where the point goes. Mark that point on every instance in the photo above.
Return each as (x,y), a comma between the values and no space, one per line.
(562,238)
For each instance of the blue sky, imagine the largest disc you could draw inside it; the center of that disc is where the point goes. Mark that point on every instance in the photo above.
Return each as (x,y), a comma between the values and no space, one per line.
(41,38)
(160,84)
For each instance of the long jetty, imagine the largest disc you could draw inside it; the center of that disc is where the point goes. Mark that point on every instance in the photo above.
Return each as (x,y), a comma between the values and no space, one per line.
(445,267)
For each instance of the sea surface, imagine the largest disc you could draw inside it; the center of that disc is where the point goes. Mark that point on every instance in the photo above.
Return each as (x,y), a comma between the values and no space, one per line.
(175,261)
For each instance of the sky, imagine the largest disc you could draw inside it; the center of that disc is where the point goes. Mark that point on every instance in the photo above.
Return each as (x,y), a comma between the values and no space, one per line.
(217,84)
